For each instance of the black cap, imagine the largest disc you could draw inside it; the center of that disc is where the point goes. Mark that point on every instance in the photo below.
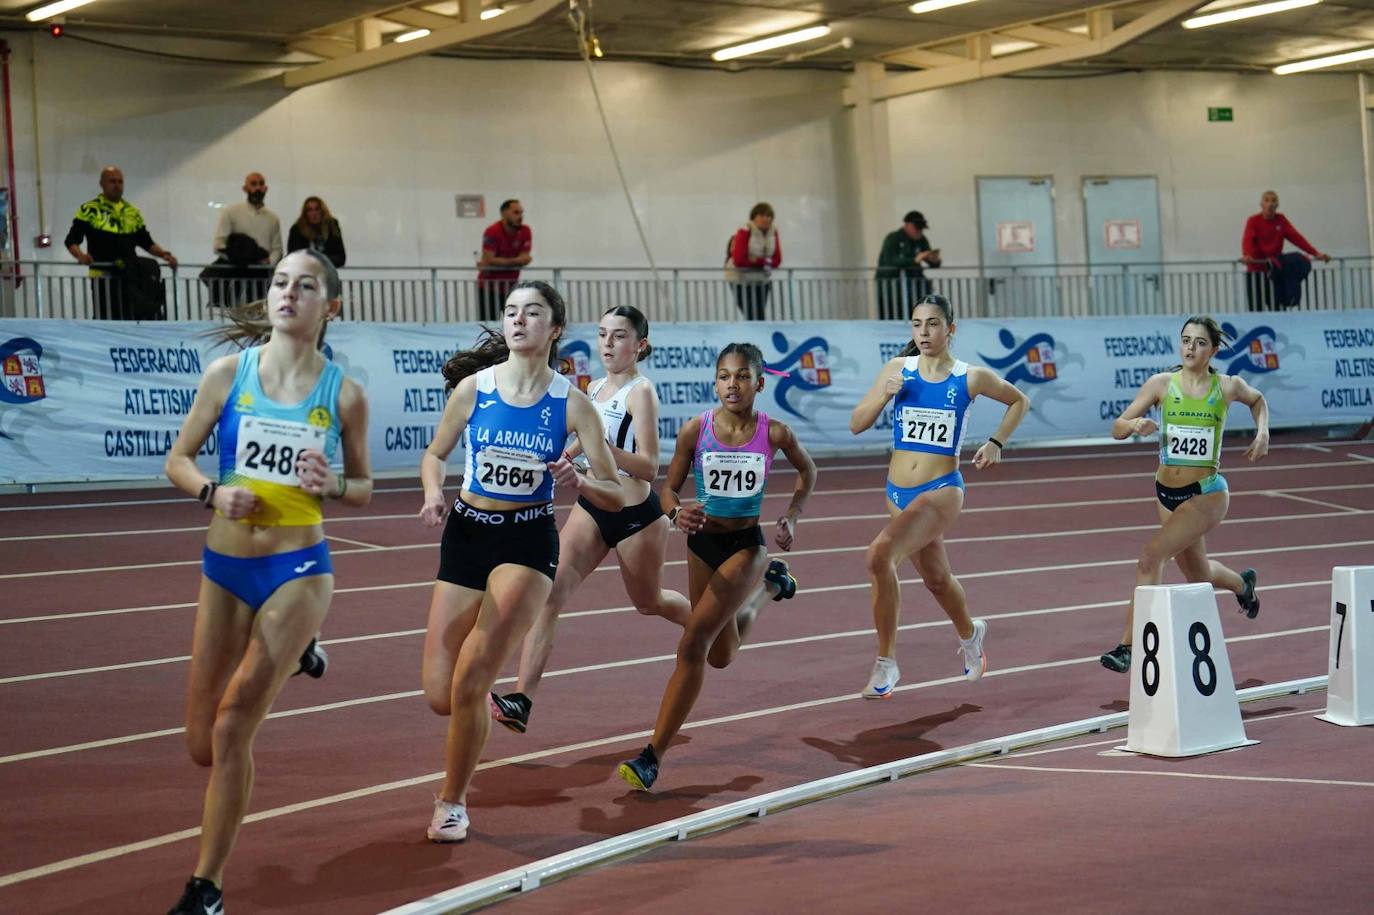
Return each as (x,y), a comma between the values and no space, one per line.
(916,219)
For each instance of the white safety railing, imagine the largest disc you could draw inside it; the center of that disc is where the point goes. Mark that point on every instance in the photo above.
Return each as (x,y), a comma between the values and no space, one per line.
(52,289)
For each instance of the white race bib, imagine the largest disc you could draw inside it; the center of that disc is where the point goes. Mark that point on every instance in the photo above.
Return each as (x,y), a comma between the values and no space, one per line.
(926,426)
(268,448)
(509,472)
(732,474)
(1192,443)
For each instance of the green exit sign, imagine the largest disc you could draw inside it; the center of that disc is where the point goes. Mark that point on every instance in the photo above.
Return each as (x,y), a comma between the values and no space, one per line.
(1219,114)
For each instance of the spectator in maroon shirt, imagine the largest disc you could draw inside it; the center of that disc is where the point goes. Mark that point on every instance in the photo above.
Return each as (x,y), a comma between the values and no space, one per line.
(1261,248)
(505,249)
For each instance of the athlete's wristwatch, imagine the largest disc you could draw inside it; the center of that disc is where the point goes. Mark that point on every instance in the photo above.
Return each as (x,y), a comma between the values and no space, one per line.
(672,515)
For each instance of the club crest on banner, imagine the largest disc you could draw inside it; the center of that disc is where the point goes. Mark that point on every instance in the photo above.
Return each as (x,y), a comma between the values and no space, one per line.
(1036,362)
(1256,352)
(575,361)
(21,371)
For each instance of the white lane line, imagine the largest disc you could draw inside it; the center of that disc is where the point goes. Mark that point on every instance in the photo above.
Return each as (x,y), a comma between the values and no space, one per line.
(1281,494)
(370,546)
(1342,510)
(1265,779)
(1033,506)
(169,838)
(1359,457)
(612,665)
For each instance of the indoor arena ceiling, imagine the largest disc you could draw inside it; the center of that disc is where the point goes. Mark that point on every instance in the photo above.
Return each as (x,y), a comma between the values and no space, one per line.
(685,32)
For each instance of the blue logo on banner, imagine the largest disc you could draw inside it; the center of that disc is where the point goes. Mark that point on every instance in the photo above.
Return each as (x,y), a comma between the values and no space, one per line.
(1255,352)
(21,380)
(575,361)
(807,367)
(1032,362)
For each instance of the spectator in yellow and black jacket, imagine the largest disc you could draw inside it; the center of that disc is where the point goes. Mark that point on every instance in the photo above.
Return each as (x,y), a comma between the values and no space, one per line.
(113,230)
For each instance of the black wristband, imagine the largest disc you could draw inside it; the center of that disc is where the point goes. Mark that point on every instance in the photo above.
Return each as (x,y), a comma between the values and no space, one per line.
(995,441)
(207,494)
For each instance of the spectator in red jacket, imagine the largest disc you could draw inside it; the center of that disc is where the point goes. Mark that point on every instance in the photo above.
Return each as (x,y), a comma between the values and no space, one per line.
(755,252)
(1261,248)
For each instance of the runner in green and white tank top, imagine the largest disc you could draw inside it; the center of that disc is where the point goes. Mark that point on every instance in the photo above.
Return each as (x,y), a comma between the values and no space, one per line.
(1193,497)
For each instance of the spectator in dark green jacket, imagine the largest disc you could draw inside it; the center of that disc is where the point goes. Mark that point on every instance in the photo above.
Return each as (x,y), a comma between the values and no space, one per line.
(901,267)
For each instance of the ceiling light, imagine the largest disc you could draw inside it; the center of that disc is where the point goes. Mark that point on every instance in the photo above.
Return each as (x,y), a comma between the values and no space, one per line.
(411,36)
(768,44)
(1246,12)
(54,9)
(930,6)
(493,12)
(1317,63)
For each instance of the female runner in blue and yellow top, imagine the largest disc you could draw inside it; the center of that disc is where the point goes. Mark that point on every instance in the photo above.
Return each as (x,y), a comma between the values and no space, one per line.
(1193,497)
(499,552)
(730,451)
(930,392)
(282,409)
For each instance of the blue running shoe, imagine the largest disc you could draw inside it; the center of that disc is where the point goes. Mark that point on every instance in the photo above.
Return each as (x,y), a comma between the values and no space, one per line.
(642,771)
(781,575)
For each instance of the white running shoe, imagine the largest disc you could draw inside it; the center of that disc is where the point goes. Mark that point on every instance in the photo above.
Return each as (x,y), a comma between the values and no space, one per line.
(883,681)
(975,662)
(449,823)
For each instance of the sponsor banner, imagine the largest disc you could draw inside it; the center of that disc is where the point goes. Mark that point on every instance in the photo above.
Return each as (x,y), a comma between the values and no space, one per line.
(104,400)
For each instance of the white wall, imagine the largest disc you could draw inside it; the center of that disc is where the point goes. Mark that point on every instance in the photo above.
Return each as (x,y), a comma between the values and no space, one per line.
(388,150)
(1299,135)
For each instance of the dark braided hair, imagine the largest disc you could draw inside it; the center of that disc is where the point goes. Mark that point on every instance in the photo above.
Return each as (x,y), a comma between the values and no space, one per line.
(751,353)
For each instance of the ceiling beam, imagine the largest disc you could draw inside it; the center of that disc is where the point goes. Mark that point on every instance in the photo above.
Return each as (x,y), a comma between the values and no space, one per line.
(1041,34)
(438,39)
(1104,39)
(419,18)
(328,48)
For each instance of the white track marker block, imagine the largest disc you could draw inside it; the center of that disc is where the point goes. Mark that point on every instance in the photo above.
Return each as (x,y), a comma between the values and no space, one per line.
(1350,670)
(1183,697)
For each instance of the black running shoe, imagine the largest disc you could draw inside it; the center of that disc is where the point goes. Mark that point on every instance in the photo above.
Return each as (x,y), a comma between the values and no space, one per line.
(1249,602)
(512,710)
(1118,659)
(641,771)
(314,662)
(201,898)
(779,574)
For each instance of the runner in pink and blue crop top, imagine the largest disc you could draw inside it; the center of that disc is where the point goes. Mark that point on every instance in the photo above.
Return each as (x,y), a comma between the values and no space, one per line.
(729,450)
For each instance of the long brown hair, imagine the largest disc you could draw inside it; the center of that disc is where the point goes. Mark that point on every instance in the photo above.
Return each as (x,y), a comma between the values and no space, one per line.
(491,346)
(939,302)
(326,227)
(249,324)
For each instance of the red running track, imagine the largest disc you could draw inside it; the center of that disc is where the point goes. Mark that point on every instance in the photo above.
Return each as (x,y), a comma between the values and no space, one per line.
(102,804)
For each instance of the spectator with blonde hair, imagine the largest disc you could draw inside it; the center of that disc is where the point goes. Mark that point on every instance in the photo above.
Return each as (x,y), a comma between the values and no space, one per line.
(318,230)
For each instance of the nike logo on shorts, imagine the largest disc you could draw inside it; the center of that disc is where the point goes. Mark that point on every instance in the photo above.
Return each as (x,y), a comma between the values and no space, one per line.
(305,566)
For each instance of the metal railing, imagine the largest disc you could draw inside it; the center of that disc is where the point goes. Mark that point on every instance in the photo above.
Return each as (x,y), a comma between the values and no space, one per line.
(51,289)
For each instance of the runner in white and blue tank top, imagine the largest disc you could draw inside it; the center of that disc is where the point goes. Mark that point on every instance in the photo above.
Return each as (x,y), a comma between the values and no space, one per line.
(499,551)
(283,411)
(628,407)
(1193,497)
(729,451)
(931,392)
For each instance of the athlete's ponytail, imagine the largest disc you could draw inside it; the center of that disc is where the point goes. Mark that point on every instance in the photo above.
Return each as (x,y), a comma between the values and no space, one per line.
(939,302)
(491,346)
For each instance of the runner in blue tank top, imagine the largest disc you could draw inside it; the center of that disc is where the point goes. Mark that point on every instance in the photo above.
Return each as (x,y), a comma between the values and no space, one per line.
(1193,497)
(638,533)
(282,410)
(499,552)
(930,392)
(730,451)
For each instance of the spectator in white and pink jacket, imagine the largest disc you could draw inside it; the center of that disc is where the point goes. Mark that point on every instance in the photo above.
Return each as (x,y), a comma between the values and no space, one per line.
(755,252)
